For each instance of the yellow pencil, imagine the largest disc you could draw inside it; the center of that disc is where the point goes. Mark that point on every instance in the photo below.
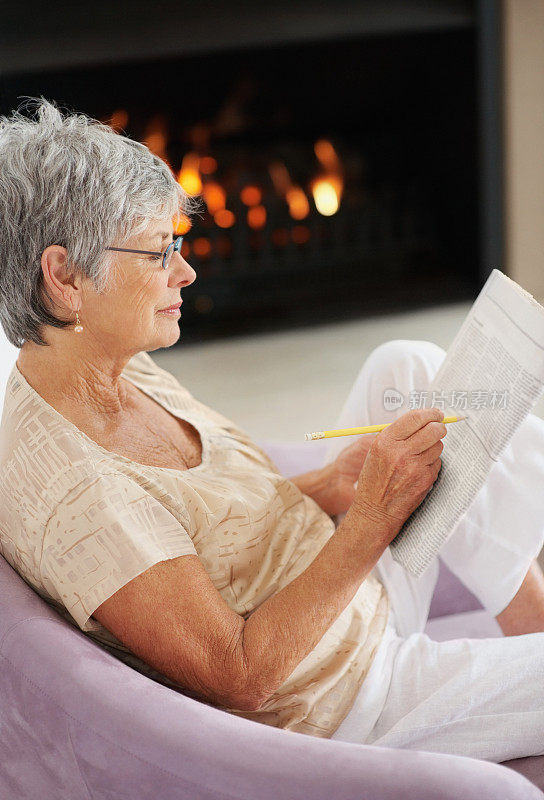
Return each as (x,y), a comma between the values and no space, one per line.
(366,429)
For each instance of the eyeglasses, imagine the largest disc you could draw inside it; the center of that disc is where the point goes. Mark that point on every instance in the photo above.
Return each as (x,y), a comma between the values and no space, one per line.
(166,256)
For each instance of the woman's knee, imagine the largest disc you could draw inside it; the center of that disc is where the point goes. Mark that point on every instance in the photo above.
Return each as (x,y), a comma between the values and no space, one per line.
(422,356)
(403,365)
(400,349)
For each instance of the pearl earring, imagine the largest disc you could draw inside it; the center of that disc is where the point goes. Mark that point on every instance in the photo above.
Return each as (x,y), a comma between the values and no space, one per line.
(78,326)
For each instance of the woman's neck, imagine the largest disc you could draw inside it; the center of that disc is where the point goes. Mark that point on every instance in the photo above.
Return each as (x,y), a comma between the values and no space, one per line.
(86,381)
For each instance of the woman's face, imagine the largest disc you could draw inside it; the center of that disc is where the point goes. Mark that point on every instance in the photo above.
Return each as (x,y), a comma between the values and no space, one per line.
(130,315)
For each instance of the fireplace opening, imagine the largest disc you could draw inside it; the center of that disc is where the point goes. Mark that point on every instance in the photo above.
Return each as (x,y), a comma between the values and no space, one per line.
(339,179)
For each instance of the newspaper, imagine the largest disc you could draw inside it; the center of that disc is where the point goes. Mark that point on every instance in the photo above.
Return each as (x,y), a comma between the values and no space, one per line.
(493,374)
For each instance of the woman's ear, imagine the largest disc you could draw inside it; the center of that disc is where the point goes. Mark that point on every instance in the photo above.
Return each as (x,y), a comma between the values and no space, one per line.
(61,284)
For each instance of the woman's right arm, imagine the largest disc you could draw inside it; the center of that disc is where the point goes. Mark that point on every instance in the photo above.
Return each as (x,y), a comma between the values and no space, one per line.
(173,618)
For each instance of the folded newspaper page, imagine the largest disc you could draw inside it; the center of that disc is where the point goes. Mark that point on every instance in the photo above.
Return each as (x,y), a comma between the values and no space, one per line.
(493,374)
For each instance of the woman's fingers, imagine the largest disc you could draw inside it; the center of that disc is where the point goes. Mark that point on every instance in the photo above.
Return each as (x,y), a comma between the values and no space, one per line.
(408,424)
(426,437)
(402,466)
(430,455)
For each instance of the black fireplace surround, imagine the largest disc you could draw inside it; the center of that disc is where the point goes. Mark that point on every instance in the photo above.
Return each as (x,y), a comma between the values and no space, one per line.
(386,123)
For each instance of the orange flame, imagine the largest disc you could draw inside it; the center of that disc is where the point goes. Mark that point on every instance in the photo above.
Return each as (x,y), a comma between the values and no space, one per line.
(189,176)
(326,154)
(280,177)
(299,207)
(327,193)
(214,197)
(327,190)
(251,195)
(224,218)
(208,165)
(256,217)
(156,135)
(182,225)
(202,247)
(296,199)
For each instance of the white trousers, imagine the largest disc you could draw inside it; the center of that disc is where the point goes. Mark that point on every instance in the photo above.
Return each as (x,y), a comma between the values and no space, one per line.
(482,698)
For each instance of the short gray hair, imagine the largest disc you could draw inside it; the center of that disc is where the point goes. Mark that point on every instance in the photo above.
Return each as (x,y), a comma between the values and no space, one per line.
(73,181)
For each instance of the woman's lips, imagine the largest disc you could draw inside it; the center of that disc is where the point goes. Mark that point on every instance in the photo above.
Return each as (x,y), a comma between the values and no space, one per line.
(173,310)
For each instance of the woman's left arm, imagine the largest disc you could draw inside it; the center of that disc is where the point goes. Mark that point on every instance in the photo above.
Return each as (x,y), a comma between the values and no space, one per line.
(333,486)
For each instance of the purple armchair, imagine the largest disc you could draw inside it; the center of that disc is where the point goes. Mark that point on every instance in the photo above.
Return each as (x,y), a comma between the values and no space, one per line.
(77,723)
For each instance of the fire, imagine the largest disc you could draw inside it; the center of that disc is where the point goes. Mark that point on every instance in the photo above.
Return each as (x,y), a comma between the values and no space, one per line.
(251,195)
(326,154)
(256,217)
(182,225)
(299,207)
(296,199)
(327,190)
(224,218)
(156,135)
(202,247)
(214,197)
(280,177)
(327,193)
(189,176)
(208,165)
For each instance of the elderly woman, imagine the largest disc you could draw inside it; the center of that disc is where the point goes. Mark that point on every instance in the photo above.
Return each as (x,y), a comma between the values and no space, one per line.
(158,527)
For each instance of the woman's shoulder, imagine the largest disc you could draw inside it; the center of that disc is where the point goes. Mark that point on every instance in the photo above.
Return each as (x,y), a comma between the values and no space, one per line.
(42,454)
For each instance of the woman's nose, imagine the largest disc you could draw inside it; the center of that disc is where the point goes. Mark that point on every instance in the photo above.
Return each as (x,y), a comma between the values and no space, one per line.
(180,271)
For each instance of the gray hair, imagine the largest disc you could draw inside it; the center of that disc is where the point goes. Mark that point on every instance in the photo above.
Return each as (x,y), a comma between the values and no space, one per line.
(73,181)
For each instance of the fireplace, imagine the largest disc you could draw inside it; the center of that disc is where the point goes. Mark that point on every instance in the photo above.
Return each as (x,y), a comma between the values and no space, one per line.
(339,178)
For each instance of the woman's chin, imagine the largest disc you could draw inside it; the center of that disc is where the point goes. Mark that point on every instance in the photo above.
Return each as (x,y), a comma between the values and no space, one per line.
(167,333)
(173,338)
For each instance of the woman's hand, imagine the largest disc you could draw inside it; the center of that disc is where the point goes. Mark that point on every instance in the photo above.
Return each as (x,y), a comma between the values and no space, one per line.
(392,481)
(333,486)
(343,474)
(401,468)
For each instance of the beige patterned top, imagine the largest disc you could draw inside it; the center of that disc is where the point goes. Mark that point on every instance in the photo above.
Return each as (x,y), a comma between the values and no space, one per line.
(78,522)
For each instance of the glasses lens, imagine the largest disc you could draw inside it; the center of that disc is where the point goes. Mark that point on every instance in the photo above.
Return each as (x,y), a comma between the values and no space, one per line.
(175,245)
(167,255)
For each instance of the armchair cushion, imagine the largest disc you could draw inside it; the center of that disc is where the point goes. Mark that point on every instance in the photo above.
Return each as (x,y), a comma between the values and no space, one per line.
(76,722)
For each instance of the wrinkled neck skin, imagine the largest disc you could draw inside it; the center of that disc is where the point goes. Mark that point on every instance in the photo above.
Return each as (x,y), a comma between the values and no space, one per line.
(77,372)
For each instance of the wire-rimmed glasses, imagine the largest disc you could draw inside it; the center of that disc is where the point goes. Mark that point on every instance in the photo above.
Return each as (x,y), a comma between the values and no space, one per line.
(166,256)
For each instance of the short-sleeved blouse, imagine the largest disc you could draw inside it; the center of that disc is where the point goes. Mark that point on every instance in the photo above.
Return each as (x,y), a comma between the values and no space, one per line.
(78,522)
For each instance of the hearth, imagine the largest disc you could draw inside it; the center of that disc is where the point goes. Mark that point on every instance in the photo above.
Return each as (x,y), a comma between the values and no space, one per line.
(338,178)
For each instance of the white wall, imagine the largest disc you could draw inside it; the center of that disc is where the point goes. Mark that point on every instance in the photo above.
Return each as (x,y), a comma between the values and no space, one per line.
(523,54)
